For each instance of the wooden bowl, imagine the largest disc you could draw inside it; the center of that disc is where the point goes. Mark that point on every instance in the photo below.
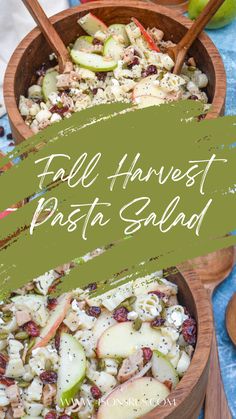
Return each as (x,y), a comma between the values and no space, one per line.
(186,400)
(34,50)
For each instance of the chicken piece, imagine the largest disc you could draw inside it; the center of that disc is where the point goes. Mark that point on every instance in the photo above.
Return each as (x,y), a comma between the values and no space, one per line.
(49,392)
(22,317)
(63,81)
(130,366)
(2,413)
(13,394)
(156,34)
(129,55)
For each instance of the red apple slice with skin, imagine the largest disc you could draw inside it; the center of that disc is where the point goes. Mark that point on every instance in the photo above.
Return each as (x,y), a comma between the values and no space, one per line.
(92,24)
(111,345)
(56,318)
(146,35)
(138,392)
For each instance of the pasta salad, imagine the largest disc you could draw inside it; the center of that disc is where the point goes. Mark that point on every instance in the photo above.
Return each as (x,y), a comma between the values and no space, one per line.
(84,356)
(121,62)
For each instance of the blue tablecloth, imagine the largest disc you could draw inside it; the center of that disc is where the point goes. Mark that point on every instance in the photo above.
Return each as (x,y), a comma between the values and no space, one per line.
(224,39)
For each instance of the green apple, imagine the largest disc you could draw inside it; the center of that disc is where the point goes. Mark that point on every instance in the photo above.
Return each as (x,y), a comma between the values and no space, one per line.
(121,340)
(225,14)
(113,49)
(116,404)
(93,62)
(49,84)
(71,371)
(163,370)
(119,30)
(92,24)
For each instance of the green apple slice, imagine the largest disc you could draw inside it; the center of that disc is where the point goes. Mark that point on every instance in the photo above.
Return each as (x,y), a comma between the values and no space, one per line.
(117,404)
(92,24)
(49,84)
(113,49)
(163,370)
(72,367)
(118,29)
(84,43)
(121,340)
(93,62)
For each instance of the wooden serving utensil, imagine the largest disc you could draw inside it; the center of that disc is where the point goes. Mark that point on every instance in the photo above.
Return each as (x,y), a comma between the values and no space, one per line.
(212,270)
(230,319)
(49,32)
(179,51)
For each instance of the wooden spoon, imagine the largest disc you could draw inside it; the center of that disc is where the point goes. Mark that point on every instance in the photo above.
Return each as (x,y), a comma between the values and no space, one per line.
(212,270)
(49,32)
(179,51)
(230,319)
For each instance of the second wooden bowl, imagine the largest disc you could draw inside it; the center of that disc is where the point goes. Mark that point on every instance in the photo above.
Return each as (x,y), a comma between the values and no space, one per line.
(33,51)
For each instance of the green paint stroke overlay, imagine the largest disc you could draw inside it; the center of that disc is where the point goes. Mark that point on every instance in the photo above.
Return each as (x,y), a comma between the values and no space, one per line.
(168,139)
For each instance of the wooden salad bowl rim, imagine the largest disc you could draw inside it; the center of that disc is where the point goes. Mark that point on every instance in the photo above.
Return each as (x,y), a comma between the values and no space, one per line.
(22,131)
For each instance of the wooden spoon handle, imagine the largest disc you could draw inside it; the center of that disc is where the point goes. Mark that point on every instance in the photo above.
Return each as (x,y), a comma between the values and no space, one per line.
(49,32)
(216,405)
(200,23)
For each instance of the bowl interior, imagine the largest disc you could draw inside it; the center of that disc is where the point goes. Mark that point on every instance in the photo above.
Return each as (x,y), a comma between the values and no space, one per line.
(38,51)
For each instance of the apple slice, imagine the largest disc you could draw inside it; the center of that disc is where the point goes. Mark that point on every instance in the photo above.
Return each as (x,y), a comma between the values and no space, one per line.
(121,340)
(129,400)
(56,318)
(148,87)
(146,35)
(93,62)
(71,371)
(49,84)
(146,101)
(113,49)
(91,24)
(84,42)
(163,370)
(118,29)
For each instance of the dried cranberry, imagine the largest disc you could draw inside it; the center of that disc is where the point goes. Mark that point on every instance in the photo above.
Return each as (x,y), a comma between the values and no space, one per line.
(101,75)
(64,417)
(168,384)
(97,42)
(94,91)
(32,329)
(147,354)
(11,144)
(2,131)
(133,63)
(67,91)
(158,322)
(91,287)
(120,314)
(42,70)
(6,381)
(10,136)
(158,293)
(59,110)
(52,303)
(96,392)
(189,330)
(48,377)
(151,69)
(51,415)
(3,363)
(193,97)
(94,311)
